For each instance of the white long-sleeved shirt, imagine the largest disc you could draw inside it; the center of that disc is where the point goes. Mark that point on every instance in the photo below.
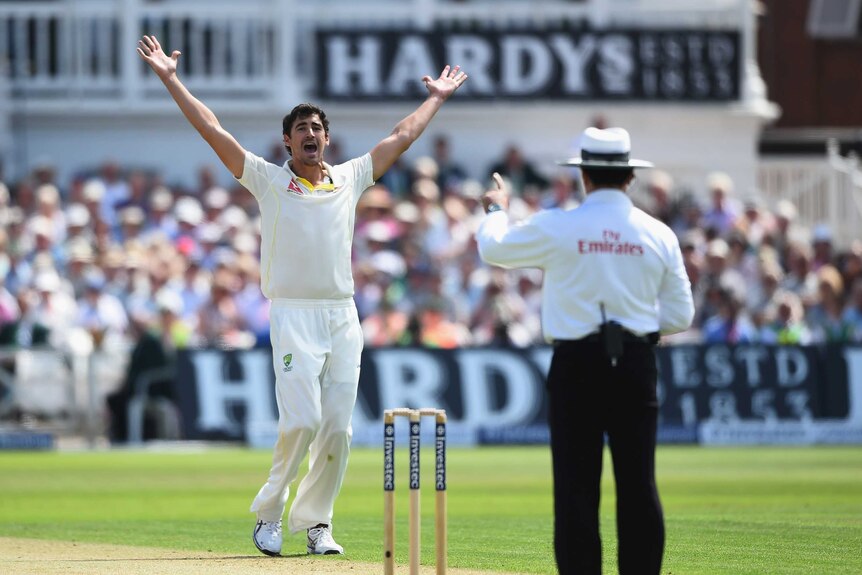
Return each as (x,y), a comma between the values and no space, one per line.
(605,251)
(306,234)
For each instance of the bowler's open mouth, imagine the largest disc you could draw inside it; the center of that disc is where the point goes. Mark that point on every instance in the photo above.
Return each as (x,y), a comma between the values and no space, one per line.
(310,147)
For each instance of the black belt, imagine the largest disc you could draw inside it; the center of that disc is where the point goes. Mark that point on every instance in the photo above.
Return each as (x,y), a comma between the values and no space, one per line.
(628,337)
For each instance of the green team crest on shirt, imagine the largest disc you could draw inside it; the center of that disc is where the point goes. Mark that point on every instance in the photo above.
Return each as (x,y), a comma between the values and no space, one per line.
(287,359)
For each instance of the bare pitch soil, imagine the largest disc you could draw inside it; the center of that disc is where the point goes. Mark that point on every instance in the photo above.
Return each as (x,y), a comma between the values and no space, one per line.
(41,557)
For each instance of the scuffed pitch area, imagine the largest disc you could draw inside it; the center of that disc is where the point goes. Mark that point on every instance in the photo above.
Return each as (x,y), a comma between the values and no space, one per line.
(43,557)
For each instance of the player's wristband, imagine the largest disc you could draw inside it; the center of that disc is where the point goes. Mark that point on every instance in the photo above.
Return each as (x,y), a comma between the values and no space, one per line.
(493,208)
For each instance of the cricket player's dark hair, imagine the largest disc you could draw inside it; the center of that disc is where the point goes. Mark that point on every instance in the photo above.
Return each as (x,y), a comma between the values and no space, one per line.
(300,112)
(608,178)
(303,111)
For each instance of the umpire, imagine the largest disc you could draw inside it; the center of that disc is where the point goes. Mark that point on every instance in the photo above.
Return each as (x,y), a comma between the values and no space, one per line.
(613,282)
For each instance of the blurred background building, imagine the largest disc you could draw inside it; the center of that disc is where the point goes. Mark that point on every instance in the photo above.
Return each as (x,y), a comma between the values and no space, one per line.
(682,76)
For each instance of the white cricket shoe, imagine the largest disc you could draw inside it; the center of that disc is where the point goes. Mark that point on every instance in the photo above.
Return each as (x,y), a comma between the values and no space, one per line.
(267,537)
(320,541)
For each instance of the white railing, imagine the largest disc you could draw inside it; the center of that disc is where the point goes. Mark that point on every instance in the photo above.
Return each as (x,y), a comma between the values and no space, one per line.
(62,393)
(80,53)
(825,191)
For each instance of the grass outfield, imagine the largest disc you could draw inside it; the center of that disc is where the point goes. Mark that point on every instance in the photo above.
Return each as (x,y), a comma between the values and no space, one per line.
(728,510)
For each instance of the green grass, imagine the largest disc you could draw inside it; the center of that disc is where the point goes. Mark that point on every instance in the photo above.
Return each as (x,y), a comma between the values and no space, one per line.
(737,511)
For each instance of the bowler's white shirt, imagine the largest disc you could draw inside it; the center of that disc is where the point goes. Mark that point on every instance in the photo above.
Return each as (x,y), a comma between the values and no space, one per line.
(306,235)
(605,251)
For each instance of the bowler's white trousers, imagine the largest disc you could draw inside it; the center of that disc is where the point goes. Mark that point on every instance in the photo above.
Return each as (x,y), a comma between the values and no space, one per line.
(316,352)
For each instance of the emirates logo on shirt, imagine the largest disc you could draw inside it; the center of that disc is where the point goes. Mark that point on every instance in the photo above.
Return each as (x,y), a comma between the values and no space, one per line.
(294,187)
(611,244)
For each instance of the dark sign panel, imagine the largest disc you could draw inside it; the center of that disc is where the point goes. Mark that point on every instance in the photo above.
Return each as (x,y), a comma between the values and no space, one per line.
(576,64)
(708,394)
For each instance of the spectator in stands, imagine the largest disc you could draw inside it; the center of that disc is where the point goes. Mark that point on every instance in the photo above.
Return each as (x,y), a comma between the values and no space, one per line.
(138,187)
(528,204)
(562,193)
(237,229)
(55,308)
(784,231)
(79,261)
(5,199)
(499,319)
(784,323)
(519,173)
(104,235)
(193,289)
(731,324)
(150,274)
(220,322)
(206,179)
(822,248)
(48,208)
(44,244)
(92,194)
(850,263)
(716,273)
(117,278)
(692,247)
(724,209)
(436,329)
(485,322)
(211,250)
(215,200)
(250,301)
(10,312)
(5,257)
(17,245)
(800,279)
(189,214)
(25,328)
(335,152)
(130,223)
(431,229)
(528,284)
(763,301)
(470,191)
(78,224)
(466,283)
(689,217)
(756,223)
(826,316)
(157,338)
(24,196)
(160,221)
(116,191)
(450,174)
(743,260)
(398,179)
(459,234)
(853,312)
(424,283)
(379,262)
(374,214)
(661,204)
(387,326)
(101,314)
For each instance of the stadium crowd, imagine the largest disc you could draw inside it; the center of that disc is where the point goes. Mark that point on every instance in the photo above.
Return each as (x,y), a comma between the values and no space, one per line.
(111,255)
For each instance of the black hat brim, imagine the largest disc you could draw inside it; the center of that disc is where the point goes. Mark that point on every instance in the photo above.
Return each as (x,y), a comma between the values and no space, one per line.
(606,164)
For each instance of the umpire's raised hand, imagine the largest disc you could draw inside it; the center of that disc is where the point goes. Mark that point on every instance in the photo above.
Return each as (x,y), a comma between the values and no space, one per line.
(497,195)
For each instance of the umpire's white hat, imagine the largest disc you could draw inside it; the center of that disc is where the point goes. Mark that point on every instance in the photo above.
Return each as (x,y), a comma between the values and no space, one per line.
(607,149)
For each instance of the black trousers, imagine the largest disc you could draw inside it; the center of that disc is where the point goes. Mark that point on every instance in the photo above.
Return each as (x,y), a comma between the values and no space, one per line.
(590,398)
